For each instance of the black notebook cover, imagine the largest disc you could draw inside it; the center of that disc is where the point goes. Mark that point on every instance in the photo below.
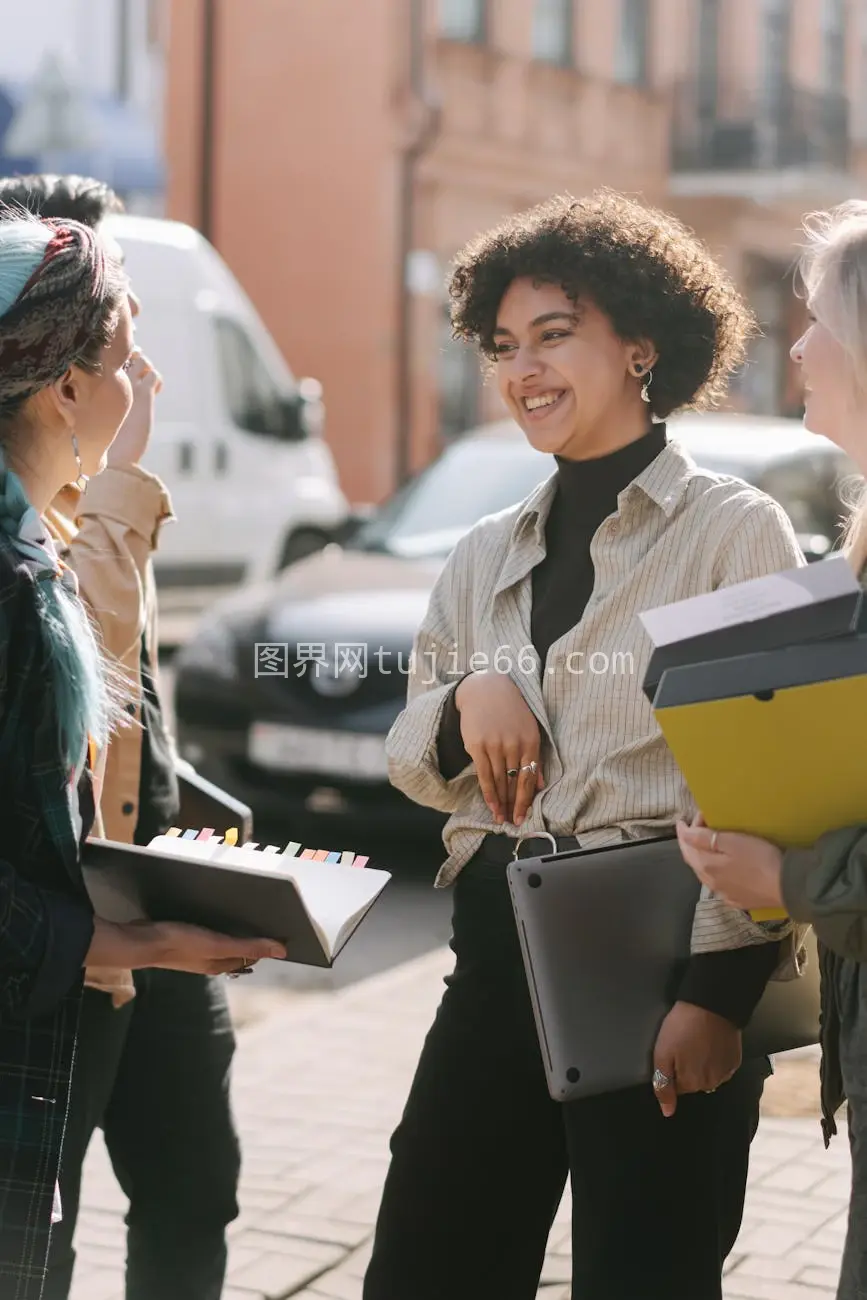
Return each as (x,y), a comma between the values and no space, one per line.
(126,883)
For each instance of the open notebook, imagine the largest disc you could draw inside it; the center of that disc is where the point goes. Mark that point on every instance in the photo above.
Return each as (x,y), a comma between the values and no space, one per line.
(311,900)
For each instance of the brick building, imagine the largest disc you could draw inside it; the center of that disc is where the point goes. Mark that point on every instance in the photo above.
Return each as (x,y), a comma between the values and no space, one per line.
(338,153)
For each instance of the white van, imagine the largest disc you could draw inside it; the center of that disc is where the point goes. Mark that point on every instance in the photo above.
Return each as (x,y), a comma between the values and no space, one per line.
(238,440)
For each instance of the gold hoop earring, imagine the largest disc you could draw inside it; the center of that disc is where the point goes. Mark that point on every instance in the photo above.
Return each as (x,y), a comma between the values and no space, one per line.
(82,480)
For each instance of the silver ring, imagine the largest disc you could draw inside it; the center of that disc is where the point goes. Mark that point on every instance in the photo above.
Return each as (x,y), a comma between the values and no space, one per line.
(532,766)
(511,771)
(714,840)
(245,968)
(661,1081)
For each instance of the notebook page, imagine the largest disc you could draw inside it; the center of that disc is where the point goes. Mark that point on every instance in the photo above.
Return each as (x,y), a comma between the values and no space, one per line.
(334,896)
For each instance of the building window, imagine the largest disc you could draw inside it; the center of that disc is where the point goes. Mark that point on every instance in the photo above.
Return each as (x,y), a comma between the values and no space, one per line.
(776,39)
(154,23)
(632,49)
(460,383)
(552,31)
(708,55)
(462,20)
(860,118)
(834,45)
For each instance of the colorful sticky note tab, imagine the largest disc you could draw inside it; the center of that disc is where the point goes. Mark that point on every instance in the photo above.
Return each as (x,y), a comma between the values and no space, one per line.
(361,862)
(291,849)
(333,857)
(307,853)
(231,836)
(347,858)
(190,835)
(270,848)
(206,834)
(173,832)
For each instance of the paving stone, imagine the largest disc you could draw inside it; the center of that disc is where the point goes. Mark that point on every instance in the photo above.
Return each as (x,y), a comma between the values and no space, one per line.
(742,1287)
(310,1227)
(772,1239)
(277,1274)
(338,1286)
(556,1269)
(781,1269)
(821,1277)
(96,1284)
(356,1264)
(318,1090)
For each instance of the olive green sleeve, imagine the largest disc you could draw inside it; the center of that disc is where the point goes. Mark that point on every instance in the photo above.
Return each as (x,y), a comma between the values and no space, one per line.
(826,887)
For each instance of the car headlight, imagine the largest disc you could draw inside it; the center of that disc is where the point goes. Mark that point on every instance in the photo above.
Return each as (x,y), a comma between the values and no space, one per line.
(211,649)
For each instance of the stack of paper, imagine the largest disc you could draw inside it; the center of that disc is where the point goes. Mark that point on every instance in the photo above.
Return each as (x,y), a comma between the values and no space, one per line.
(758,689)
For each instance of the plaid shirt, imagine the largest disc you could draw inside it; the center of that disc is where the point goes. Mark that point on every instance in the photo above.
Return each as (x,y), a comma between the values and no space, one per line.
(45,930)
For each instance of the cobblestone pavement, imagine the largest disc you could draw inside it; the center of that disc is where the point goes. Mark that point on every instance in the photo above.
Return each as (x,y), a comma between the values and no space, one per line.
(319,1085)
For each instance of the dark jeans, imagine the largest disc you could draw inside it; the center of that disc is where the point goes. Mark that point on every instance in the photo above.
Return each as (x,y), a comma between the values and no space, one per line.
(155,1075)
(482,1153)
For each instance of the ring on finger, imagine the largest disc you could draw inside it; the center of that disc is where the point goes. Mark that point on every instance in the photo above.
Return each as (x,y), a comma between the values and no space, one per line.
(511,772)
(532,766)
(661,1080)
(714,840)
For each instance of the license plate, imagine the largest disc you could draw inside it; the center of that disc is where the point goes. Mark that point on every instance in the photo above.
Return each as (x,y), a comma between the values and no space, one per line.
(327,753)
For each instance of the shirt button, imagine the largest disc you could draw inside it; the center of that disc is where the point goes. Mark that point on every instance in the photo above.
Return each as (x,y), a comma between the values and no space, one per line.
(128,809)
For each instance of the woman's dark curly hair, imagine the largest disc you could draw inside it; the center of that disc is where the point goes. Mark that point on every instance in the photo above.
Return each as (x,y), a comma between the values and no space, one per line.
(647,272)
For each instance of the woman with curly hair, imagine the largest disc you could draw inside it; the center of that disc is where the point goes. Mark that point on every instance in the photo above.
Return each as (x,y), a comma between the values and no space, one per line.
(600,318)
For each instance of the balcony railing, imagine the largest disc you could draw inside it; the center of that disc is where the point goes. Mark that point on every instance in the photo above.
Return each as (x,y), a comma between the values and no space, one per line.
(737,130)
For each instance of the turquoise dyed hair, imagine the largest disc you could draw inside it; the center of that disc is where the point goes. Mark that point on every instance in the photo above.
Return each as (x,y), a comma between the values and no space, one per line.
(74,659)
(23,242)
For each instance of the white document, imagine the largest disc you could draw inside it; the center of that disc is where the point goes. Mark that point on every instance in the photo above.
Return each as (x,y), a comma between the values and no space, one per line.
(746,602)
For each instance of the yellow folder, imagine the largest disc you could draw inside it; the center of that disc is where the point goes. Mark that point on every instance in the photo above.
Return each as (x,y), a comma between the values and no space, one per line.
(784,765)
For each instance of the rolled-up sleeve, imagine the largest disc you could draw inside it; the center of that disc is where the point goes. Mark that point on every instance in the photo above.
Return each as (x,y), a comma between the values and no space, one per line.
(118,520)
(412,745)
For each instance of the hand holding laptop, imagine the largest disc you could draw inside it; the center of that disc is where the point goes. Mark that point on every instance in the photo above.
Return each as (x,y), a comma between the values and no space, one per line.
(695,1051)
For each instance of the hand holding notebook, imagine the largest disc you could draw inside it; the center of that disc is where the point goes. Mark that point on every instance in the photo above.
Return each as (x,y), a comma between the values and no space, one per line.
(743,870)
(757,710)
(311,901)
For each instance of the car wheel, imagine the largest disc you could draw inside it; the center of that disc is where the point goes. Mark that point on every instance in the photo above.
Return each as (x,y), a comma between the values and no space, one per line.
(301,543)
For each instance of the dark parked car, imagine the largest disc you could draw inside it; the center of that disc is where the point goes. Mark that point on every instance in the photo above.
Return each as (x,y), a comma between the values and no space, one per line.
(286,691)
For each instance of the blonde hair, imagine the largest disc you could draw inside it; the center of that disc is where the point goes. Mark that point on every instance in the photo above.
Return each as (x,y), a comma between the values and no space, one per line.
(833,271)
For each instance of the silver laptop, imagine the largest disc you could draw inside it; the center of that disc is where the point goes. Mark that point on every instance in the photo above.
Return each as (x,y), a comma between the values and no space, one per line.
(604,935)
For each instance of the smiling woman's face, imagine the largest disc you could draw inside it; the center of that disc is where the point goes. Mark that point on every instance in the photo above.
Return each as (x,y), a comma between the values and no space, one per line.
(566,378)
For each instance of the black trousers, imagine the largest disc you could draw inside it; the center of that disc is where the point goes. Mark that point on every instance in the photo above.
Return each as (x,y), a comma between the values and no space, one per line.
(482,1153)
(155,1075)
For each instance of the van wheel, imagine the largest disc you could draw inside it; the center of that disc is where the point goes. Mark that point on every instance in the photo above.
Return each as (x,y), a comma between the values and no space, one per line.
(303,542)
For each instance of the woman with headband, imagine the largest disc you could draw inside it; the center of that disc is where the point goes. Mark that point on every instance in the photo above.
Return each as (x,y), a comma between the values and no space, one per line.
(66,343)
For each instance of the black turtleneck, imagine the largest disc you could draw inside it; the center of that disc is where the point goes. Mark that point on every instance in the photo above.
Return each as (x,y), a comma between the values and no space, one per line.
(728,983)
(585,495)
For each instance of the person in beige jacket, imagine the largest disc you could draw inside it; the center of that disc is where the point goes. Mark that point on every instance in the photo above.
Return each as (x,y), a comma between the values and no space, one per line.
(824,885)
(155,1047)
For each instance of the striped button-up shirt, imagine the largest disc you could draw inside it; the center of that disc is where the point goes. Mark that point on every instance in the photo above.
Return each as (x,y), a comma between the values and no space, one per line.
(609,776)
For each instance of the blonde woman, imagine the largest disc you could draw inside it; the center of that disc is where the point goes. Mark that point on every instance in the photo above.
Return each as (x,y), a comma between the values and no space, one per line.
(825,885)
